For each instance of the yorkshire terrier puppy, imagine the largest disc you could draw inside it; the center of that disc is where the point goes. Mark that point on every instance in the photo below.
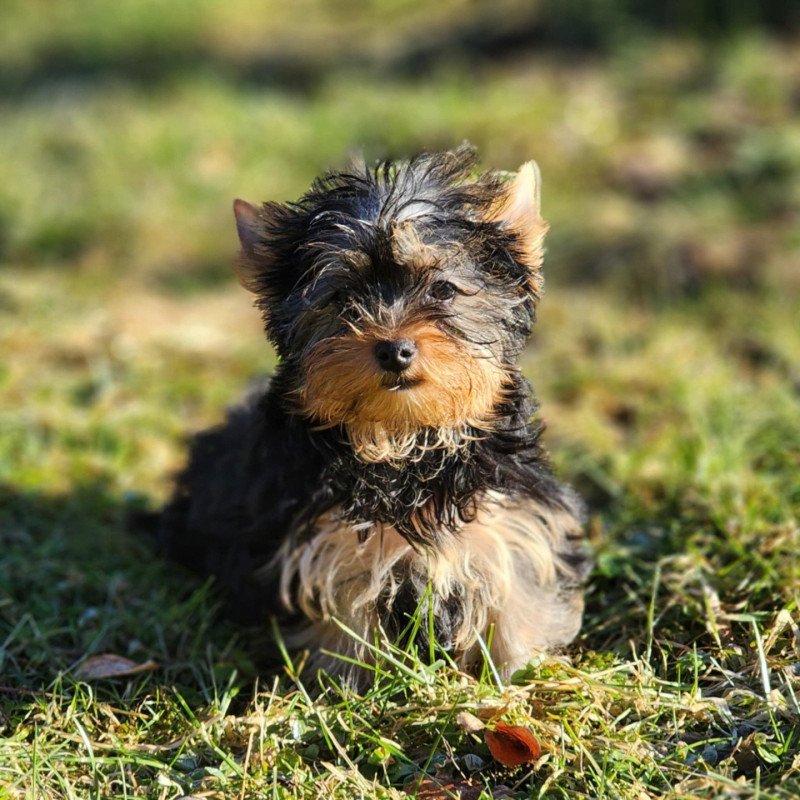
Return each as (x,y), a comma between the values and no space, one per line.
(391,464)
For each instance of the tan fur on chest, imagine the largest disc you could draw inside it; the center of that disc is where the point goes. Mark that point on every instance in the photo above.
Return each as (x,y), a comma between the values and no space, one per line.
(503,569)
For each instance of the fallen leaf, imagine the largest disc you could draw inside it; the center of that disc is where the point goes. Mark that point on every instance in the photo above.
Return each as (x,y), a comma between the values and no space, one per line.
(512,745)
(109,665)
(469,722)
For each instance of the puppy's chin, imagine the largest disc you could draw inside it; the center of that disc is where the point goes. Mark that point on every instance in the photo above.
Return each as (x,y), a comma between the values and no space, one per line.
(447,390)
(400,383)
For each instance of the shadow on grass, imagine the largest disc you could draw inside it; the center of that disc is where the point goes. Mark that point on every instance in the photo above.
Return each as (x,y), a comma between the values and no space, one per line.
(75,584)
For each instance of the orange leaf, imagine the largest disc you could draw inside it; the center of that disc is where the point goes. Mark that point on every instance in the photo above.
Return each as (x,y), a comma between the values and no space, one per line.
(512,745)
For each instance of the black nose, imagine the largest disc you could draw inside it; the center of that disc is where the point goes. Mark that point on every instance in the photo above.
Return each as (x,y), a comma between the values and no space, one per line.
(395,356)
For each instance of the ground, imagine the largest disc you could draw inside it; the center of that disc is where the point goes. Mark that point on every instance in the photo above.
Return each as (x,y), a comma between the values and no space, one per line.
(666,358)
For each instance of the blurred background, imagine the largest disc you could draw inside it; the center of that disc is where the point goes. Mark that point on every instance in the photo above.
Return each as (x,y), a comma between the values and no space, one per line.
(666,356)
(669,140)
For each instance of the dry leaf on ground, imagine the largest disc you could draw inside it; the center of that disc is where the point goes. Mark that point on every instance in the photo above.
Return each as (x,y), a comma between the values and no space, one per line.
(109,665)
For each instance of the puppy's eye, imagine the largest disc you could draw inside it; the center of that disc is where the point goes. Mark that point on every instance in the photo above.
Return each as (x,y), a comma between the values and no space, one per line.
(442,291)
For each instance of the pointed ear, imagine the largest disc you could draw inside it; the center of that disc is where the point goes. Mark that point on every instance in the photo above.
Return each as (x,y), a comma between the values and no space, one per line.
(246,224)
(269,235)
(517,210)
(254,258)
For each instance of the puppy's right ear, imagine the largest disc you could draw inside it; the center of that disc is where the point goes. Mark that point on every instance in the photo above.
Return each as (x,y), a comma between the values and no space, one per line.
(251,263)
(269,236)
(246,223)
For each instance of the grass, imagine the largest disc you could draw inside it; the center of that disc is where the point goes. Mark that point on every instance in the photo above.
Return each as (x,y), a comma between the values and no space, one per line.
(667,360)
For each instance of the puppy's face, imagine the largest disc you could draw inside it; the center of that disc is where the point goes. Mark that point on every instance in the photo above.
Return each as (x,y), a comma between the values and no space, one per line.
(400,298)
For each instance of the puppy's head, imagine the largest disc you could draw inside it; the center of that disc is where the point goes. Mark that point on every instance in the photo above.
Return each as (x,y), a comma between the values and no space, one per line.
(399,298)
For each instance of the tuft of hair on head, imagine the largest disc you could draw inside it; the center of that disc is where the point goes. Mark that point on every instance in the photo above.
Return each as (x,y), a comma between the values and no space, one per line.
(517,210)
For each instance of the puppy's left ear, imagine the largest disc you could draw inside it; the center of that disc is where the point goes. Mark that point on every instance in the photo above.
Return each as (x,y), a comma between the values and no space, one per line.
(518,211)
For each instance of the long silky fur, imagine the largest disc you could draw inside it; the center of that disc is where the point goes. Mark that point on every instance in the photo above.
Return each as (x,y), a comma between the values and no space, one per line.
(508,571)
